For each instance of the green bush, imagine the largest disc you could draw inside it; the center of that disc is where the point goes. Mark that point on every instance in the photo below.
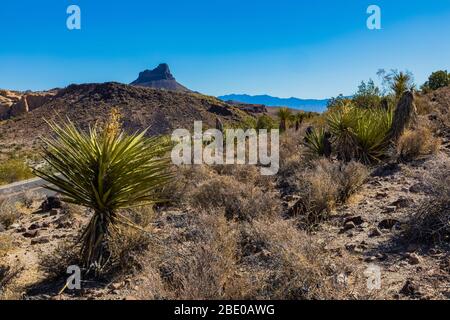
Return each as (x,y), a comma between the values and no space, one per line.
(265,122)
(438,79)
(14,170)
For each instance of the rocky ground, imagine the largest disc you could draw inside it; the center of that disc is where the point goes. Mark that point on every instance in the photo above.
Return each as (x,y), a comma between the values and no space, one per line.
(371,225)
(367,228)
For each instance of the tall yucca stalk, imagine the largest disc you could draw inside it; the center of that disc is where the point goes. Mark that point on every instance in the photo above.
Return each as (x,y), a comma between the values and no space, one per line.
(103,169)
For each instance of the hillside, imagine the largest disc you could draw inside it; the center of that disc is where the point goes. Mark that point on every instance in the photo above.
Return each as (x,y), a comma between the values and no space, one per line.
(159,110)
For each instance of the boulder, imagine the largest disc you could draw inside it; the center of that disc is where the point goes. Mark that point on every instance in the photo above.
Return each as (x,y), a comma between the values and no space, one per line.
(50,203)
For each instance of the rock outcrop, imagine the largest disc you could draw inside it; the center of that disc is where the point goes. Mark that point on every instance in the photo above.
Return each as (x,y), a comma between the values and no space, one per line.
(159,78)
(29,102)
(7,100)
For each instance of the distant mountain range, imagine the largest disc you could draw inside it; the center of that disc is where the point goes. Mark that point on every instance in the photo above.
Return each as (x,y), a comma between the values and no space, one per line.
(314,105)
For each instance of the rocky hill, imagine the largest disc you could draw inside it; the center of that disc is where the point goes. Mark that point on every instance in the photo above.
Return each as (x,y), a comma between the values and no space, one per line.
(159,78)
(160,110)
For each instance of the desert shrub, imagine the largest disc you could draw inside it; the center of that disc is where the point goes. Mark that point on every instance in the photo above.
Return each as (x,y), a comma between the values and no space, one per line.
(430,223)
(247,174)
(436,80)
(239,200)
(8,276)
(415,143)
(197,261)
(14,170)
(325,185)
(6,244)
(423,106)
(29,197)
(127,244)
(282,262)
(367,96)
(265,122)
(56,262)
(185,179)
(8,213)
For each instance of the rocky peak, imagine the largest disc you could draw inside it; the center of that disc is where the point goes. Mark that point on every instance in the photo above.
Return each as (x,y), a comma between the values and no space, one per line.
(161,72)
(159,78)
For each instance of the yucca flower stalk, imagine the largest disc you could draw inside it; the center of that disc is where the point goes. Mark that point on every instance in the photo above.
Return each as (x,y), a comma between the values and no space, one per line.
(105,170)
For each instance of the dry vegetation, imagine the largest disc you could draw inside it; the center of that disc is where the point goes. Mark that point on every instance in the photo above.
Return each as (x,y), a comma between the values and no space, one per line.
(431,221)
(226,232)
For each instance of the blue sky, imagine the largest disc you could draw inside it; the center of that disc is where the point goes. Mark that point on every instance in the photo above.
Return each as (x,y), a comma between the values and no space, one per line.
(308,49)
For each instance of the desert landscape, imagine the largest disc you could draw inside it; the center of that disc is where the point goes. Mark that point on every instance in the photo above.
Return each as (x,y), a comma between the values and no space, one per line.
(362,186)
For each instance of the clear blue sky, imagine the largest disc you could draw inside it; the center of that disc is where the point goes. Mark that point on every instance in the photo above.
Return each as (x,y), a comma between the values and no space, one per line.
(308,49)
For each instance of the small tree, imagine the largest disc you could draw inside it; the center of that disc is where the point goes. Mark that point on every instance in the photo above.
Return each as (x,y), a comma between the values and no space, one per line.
(438,79)
(105,170)
(368,95)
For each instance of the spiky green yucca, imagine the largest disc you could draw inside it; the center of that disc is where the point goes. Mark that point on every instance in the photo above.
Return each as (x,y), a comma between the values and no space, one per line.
(315,141)
(360,134)
(105,170)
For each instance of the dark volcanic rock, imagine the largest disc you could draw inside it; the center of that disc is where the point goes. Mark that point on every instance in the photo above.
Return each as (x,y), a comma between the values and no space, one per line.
(159,78)
(161,72)
(51,203)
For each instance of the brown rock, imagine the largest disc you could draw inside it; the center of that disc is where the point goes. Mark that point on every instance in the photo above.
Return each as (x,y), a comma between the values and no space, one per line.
(31,233)
(375,232)
(349,225)
(388,224)
(357,220)
(40,240)
(414,259)
(410,289)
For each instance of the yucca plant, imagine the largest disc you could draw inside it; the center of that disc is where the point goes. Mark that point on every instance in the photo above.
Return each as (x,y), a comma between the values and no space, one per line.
(315,141)
(298,119)
(360,134)
(372,134)
(105,170)
(285,115)
(341,122)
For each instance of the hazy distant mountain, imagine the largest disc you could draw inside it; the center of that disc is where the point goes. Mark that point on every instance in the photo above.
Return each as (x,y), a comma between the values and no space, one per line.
(159,78)
(296,103)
